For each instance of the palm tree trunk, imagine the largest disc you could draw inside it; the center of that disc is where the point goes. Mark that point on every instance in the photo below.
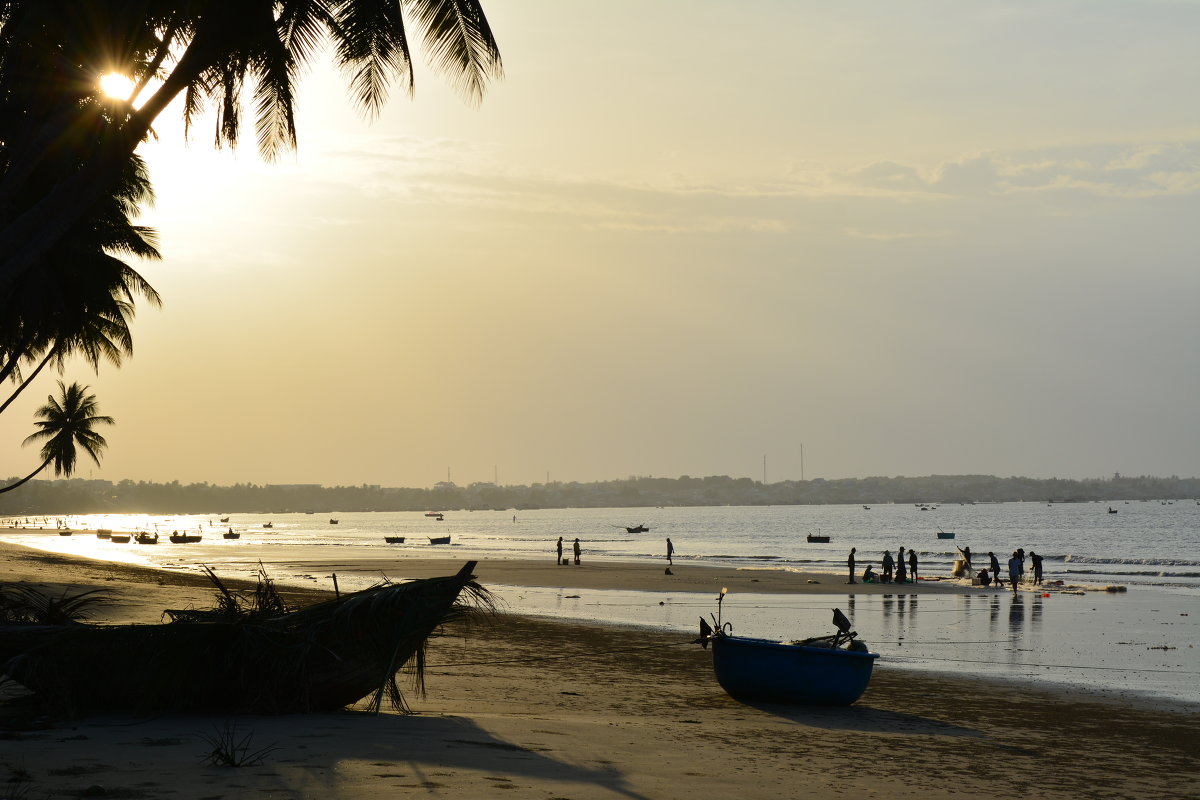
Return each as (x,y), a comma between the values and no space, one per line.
(28,477)
(29,379)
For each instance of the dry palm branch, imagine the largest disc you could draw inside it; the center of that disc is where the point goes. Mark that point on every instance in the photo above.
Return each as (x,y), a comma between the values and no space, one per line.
(323,657)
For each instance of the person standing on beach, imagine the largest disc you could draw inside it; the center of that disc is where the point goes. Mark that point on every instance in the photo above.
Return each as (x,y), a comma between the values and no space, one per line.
(559,550)
(1014,571)
(995,567)
(670,551)
(901,569)
(1037,566)
(887,567)
(850,564)
(578,550)
(912,564)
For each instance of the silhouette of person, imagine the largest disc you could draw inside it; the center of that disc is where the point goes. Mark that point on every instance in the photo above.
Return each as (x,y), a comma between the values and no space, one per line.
(966,551)
(995,567)
(984,578)
(578,550)
(1014,571)
(559,550)
(670,551)
(850,564)
(887,567)
(1037,566)
(912,564)
(901,569)
(869,574)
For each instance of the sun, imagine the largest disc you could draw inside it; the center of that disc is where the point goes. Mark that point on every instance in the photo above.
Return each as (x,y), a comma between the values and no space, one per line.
(116,85)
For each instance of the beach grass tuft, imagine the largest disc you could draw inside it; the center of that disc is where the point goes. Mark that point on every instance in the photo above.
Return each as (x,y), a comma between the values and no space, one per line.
(229,748)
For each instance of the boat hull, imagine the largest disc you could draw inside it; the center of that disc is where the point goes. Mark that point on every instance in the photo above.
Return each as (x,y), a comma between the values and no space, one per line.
(758,669)
(944,535)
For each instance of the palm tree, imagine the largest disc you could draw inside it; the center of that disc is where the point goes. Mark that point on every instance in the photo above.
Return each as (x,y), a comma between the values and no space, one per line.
(54,48)
(64,426)
(81,300)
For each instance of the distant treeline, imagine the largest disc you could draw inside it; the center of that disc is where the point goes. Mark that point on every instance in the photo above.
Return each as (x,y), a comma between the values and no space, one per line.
(79,496)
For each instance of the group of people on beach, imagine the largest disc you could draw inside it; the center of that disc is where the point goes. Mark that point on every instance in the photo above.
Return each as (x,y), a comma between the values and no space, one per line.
(900,569)
(1016,568)
(576,547)
(894,569)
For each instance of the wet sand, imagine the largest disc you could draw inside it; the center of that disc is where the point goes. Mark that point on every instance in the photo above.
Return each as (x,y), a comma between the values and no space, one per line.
(548,709)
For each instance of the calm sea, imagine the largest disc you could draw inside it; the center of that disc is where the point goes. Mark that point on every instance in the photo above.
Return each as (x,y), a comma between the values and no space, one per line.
(1142,544)
(1143,641)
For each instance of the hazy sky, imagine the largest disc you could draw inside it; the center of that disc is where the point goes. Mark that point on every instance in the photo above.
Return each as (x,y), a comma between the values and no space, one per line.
(915,238)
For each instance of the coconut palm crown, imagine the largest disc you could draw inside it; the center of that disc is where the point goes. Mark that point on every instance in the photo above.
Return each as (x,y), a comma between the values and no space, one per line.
(65,427)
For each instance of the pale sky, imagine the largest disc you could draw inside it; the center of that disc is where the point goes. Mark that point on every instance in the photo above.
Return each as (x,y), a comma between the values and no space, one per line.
(679,236)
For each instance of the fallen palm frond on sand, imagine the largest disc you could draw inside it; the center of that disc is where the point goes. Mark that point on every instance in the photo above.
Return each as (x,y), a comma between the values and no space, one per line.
(21,603)
(323,657)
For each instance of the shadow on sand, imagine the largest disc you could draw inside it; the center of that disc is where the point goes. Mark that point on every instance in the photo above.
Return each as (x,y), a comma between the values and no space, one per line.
(311,755)
(864,719)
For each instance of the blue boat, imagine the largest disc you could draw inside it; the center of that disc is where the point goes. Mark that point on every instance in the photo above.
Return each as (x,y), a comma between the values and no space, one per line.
(825,670)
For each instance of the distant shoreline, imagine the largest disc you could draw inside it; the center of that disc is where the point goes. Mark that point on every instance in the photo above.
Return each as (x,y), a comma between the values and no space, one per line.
(83,496)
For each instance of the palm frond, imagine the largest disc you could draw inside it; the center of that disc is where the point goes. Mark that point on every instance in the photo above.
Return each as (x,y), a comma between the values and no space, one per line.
(460,43)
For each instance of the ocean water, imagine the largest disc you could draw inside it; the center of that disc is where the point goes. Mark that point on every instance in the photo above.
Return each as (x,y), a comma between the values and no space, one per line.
(1139,642)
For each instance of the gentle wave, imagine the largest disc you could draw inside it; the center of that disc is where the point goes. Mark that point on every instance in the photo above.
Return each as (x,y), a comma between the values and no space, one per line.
(1148,562)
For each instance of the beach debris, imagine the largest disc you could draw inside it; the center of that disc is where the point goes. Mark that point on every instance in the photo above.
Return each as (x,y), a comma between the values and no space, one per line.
(232,606)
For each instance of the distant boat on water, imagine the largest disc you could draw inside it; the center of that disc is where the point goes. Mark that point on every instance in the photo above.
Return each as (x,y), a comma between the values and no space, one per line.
(397,540)
(945,534)
(119,538)
(142,538)
(184,538)
(224,519)
(333,522)
(818,538)
(638,529)
(1112,510)
(231,534)
(439,540)
(268,525)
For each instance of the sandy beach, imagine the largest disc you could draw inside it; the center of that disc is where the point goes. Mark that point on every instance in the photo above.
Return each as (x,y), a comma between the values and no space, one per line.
(550,709)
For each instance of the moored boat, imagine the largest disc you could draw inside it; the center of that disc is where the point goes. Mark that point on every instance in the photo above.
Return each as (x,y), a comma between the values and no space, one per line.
(818,538)
(231,534)
(184,538)
(103,533)
(142,538)
(638,529)
(945,534)
(119,538)
(319,658)
(823,670)
(394,539)
(65,532)
(439,540)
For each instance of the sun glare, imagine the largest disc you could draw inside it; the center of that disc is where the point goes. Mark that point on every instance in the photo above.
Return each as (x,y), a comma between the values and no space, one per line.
(116,85)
